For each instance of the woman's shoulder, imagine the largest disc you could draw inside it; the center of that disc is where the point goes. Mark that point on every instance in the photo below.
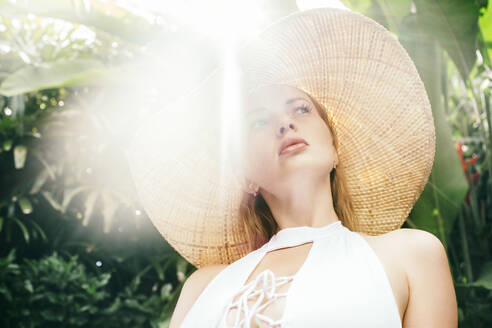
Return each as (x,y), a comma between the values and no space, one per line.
(422,257)
(432,301)
(200,278)
(406,237)
(407,244)
(414,243)
(193,287)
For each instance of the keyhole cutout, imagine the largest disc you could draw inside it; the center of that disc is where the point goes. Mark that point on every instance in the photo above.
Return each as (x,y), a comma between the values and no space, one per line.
(283,262)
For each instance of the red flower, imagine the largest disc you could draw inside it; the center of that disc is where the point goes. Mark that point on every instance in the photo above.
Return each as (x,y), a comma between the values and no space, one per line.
(465,163)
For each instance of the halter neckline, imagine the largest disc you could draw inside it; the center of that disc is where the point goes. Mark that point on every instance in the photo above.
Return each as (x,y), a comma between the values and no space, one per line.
(293,236)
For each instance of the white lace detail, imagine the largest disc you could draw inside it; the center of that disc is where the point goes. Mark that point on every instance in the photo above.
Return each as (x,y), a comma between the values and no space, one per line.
(267,283)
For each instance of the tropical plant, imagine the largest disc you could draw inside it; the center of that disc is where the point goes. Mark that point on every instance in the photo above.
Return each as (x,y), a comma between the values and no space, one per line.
(70,93)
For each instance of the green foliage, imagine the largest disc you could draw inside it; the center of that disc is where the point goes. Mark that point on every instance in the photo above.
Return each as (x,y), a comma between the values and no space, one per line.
(52,291)
(454,23)
(60,139)
(103,15)
(468,108)
(60,73)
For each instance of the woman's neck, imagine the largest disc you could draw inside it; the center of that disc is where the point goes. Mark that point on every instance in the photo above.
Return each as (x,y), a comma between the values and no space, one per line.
(304,202)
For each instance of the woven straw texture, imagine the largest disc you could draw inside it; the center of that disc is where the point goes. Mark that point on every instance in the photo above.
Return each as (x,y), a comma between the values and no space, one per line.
(373,96)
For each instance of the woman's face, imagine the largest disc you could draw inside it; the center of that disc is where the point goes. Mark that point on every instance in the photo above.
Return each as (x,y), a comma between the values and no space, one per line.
(274,114)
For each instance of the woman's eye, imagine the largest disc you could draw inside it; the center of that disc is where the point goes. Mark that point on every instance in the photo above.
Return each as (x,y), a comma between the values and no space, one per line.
(253,125)
(256,123)
(302,108)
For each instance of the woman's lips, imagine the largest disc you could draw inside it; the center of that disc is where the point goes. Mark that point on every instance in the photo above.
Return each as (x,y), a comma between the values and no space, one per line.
(293,148)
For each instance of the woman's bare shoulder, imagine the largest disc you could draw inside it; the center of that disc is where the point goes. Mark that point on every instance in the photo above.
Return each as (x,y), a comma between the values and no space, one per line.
(404,235)
(415,242)
(206,273)
(193,286)
(409,244)
(432,299)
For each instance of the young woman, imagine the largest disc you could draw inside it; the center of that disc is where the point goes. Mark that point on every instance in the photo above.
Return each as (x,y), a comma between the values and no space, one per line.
(342,275)
(337,142)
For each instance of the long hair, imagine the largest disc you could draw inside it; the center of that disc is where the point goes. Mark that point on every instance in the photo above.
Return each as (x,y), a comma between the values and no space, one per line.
(258,221)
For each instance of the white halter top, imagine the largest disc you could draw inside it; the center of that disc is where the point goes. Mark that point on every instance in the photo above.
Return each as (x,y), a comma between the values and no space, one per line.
(341,283)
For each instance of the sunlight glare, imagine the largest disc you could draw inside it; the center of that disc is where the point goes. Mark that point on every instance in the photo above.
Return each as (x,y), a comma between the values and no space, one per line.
(311,4)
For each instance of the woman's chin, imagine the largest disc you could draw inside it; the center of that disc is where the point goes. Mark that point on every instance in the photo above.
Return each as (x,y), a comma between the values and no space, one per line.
(300,162)
(305,161)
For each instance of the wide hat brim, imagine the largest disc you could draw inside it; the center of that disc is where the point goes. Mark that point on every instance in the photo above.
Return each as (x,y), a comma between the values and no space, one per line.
(374,98)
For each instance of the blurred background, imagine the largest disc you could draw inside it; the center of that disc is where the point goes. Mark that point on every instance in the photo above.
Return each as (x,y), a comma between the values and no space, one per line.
(76,76)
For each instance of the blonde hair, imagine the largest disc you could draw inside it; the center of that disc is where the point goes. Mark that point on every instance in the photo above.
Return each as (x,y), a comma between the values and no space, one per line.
(258,221)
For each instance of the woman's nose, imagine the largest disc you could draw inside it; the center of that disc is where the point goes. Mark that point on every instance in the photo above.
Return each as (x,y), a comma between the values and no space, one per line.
(282,128)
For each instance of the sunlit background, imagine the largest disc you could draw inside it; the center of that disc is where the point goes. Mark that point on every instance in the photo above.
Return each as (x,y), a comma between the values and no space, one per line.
(138,56)
(77,77)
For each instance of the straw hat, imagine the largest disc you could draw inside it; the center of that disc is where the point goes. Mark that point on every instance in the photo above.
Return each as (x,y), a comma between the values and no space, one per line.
(373,96)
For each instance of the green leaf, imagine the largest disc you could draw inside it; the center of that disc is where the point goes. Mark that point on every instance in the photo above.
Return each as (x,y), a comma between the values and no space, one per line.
(28,286)
(89,203)
(485,23)
(53,202)
(376,10)
(25,205)
(69,194)
(394,11)
(51,171)
(109,209)
(50,315)
(103,15)
(7,145)
(166,290)
(39,229)
(454,23)
(485,278)
(39,181)
(20,153)
(23,228)
(60,73)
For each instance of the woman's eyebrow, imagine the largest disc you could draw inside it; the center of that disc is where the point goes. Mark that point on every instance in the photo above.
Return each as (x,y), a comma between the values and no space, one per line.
(291,100)
(288,102)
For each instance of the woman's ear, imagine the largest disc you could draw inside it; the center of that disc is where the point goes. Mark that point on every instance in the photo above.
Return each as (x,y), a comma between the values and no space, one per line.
(249,186)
